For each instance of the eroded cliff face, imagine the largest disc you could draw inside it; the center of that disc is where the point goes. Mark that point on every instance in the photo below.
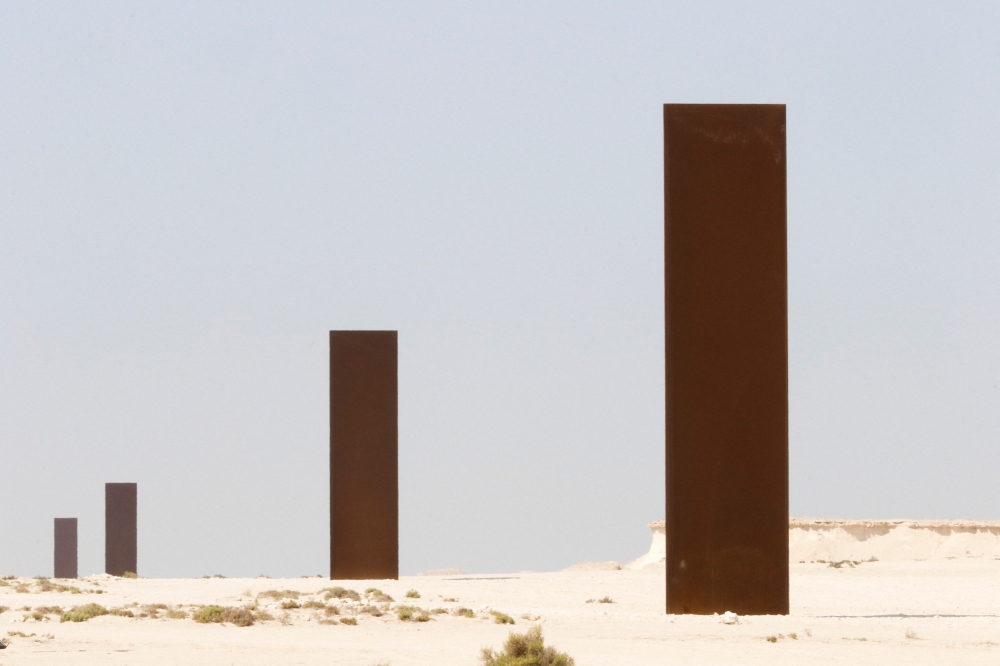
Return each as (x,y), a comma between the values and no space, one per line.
(813,539)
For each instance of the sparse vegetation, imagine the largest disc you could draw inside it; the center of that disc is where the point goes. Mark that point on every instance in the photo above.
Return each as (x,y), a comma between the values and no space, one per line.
(314,603)
(501,618)
(262,616)
(412,594)
(130,574)
(207,614)
(526,649)
(772,639)
(176,613)
(121,612)
(374,611)
(83,613)
(4,609)
(464,612)
(348,620)
(378,595)
(451,599)
(290,604)
(605,600)
(279,594)
(438,611)
(241,617)
(49,610)
(331,610)
(793,636)
(340,593)
(910,634)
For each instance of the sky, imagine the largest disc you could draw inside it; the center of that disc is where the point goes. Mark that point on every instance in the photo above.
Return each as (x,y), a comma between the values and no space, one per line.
(192,194)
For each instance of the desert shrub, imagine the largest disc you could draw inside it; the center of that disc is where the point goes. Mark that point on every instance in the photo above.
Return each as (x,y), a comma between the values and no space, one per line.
(465,612)
(22,588)
(605,600)
(130,574)
(348,620)
(438,611)
(241,617)
(378,595)
(290,604)
(340,593)
(262,616)
(422,616)
(450,599)
(4,609)
(207,614)
(526,649)
(49,610)
(312,603)
(176,613)
(331,610)
(371,610)
(405,613)
(501,618)
(279,594)
(4,583)
(36,616)
(121,612)
(83,613)
(152,610)
(412,594)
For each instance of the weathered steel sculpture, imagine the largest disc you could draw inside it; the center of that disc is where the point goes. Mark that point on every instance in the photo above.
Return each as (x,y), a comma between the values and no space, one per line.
(364,495)
(120,531)
(65,548)
(726,359)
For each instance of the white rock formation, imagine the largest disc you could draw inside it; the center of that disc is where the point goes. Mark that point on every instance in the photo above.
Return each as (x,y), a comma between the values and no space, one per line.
(833,540)
(656,558)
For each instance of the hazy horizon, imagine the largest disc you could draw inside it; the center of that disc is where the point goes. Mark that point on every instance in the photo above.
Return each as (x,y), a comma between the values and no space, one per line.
(194,194)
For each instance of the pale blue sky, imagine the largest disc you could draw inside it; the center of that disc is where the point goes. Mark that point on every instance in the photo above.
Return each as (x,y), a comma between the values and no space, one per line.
(193,194)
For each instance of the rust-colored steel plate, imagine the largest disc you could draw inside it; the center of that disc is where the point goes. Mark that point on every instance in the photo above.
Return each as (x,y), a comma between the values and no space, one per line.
(726,359)
(364,437)
(65,550)
(120,533)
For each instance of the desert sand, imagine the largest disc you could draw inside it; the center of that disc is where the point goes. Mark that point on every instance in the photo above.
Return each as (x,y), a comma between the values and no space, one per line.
(926,611)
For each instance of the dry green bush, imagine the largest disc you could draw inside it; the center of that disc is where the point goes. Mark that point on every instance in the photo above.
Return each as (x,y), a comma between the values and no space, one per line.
(348,620)
(331,610)
(279,594)
(312,603)
(130,574)
(378,595)
(121,612)
(412,594)
(465,612)
(290,604)
(340,593)
(83,613)
(241,617)
(176,613)
(526,649)
(262,616)
(4,609)
(374,611)
(605,600)
(438,611)
(49,610)
(501,618)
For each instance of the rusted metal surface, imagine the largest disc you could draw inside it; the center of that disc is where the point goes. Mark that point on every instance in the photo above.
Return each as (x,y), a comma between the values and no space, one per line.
(120,532)
(364,495)
(65,548)
(726,359)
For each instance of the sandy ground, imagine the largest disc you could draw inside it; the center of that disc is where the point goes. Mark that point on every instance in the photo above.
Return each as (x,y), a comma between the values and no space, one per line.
(863,615)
